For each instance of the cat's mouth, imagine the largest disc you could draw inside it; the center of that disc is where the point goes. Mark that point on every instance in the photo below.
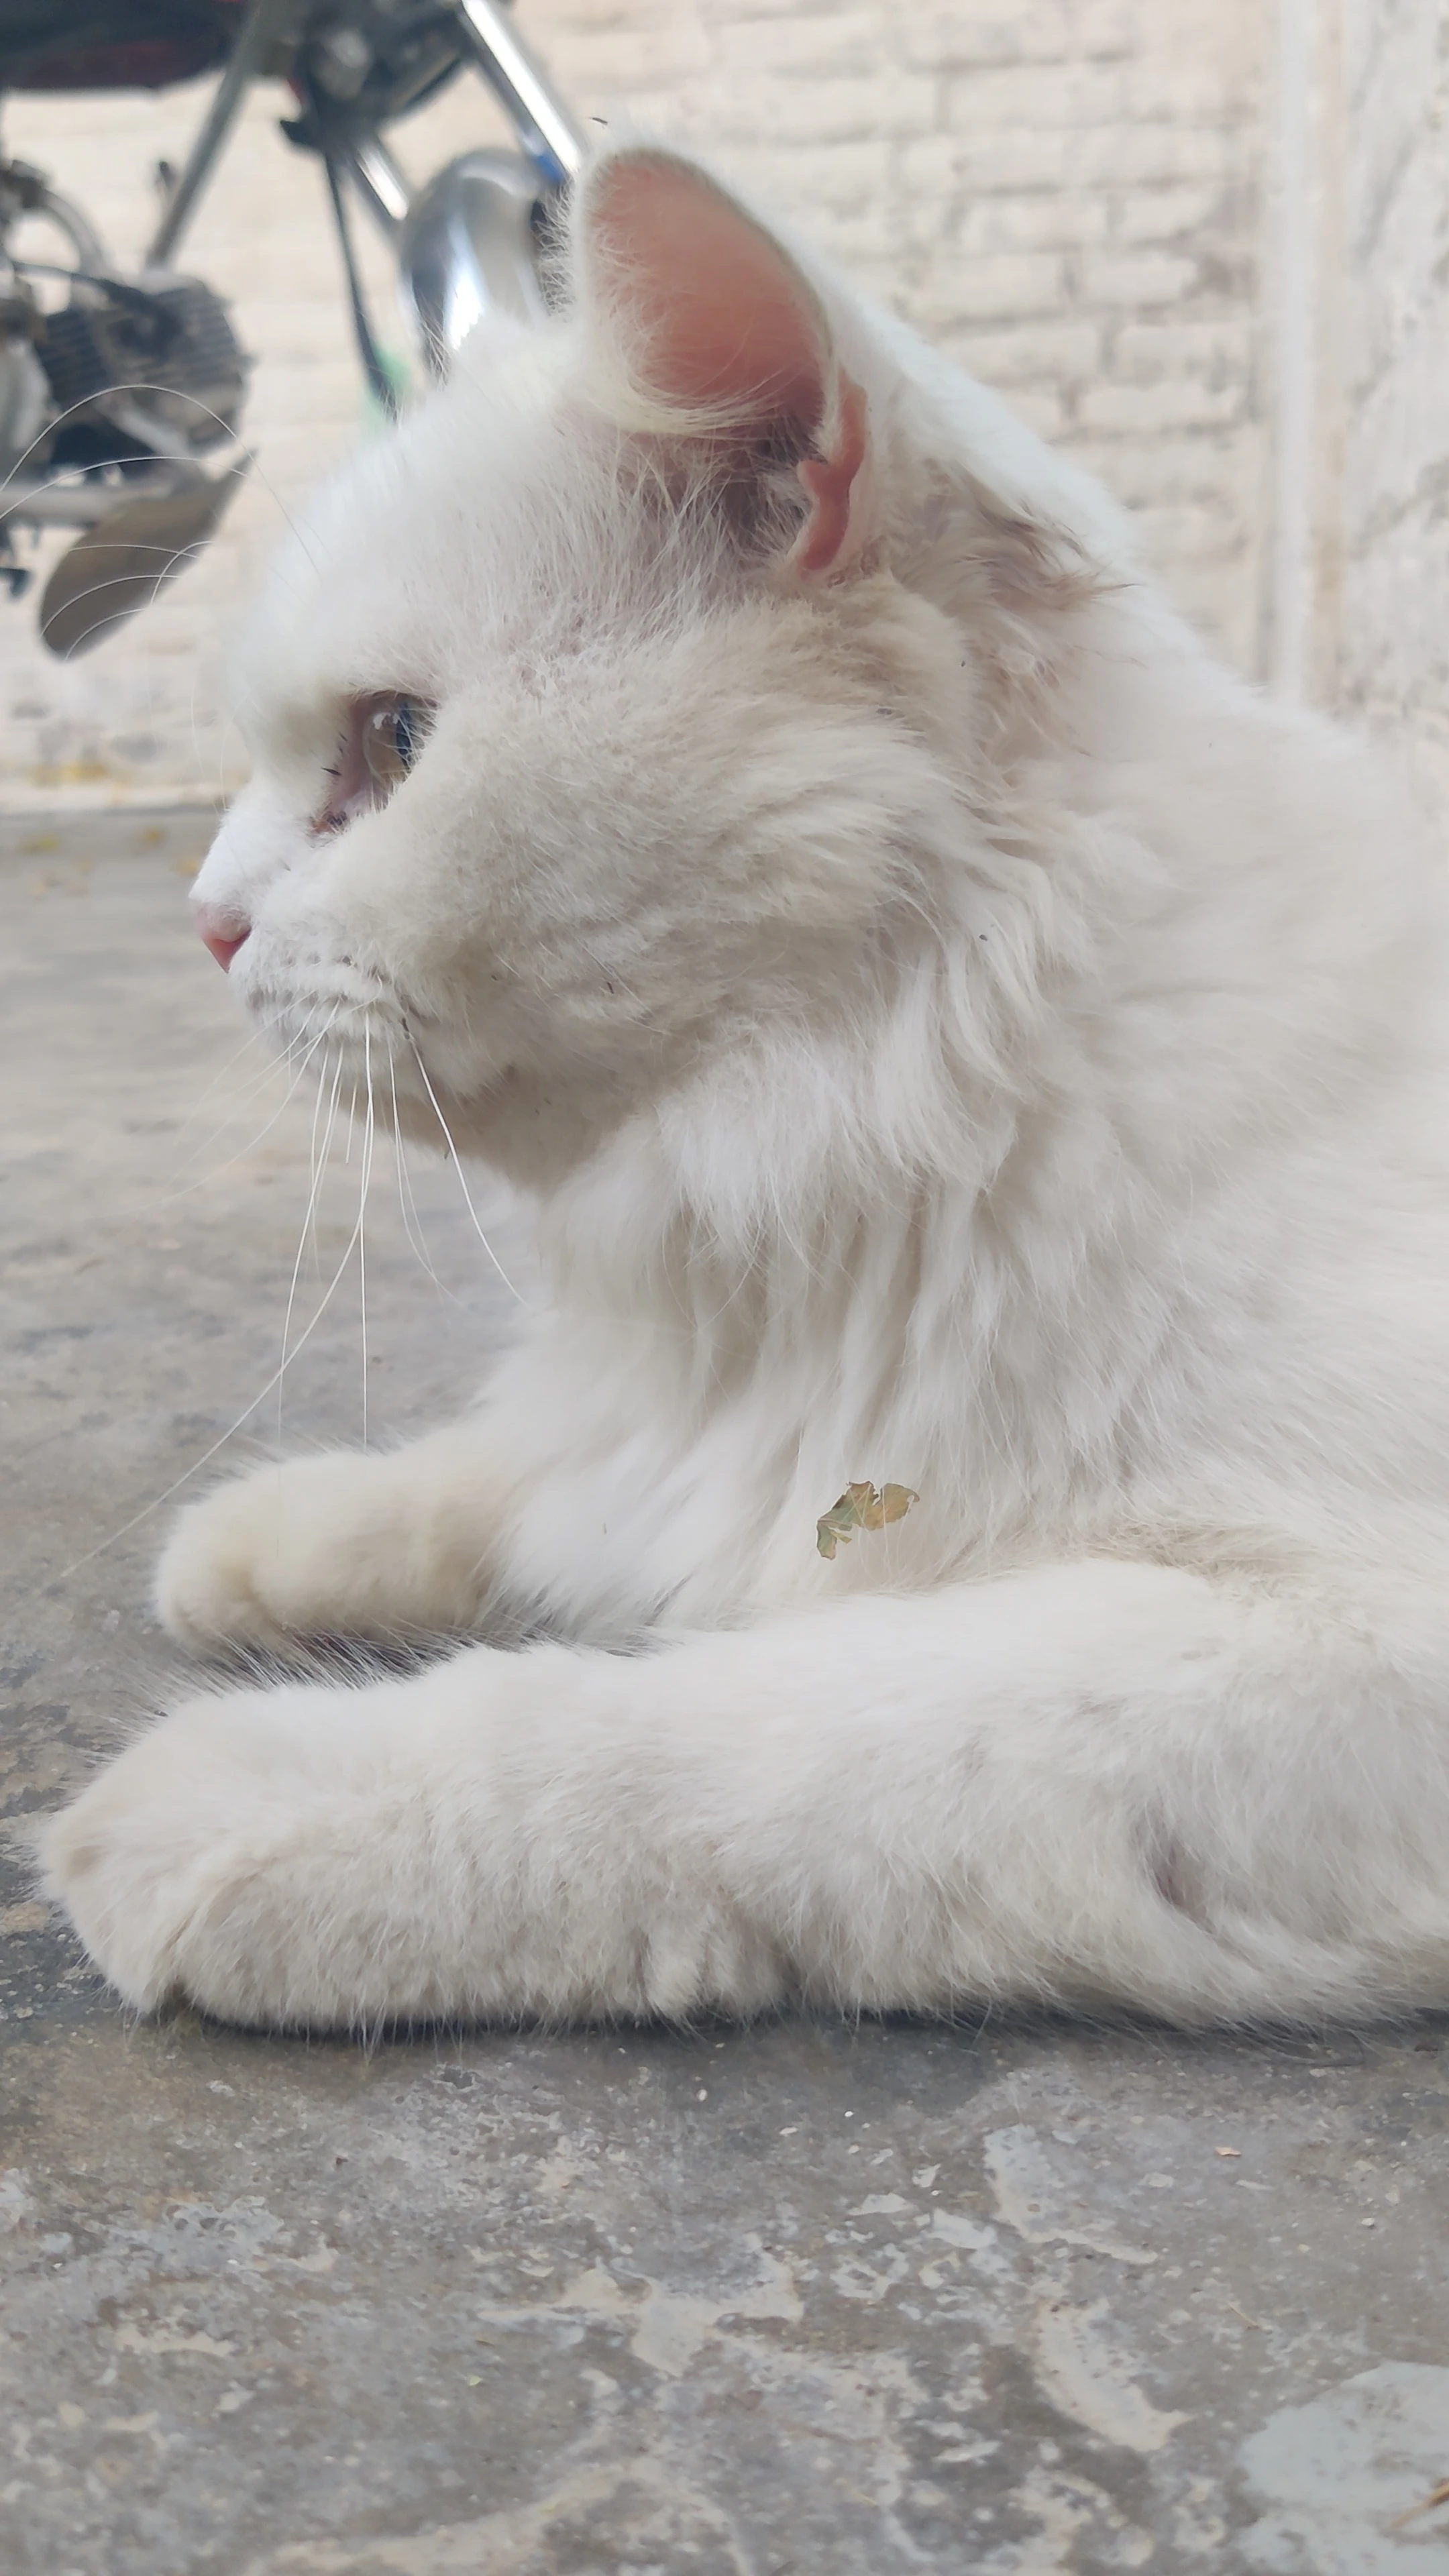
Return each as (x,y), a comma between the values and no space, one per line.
(357,1039)
(344,1016)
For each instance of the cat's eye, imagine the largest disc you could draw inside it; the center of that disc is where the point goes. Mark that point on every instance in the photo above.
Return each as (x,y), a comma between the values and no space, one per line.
(392,737)
(380,742)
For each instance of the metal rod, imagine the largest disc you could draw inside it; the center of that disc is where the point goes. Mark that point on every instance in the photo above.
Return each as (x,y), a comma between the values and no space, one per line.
(262,25)
(545,128)
(379,181)
(379,383)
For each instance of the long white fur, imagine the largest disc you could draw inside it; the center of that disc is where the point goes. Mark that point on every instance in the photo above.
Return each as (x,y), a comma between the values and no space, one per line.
(955,1033)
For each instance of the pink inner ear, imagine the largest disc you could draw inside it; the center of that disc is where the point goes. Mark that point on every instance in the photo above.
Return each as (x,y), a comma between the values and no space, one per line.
(723,319)
(830,481)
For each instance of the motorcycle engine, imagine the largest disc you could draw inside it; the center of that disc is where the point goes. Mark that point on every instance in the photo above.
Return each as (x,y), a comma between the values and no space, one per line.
(108,402)
(25,400)
(157,361)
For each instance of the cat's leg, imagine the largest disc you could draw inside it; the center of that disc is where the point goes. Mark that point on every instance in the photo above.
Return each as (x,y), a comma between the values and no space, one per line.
(1102,1783)
(384,1545)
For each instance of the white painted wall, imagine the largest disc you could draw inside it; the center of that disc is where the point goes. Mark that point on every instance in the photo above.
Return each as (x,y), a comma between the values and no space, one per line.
(1063,192)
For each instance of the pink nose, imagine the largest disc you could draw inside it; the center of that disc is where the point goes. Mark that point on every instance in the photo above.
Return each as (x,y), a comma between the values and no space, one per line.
(222,932)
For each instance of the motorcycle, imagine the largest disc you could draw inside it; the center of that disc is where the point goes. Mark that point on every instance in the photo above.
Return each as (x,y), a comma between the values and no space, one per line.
(121,396)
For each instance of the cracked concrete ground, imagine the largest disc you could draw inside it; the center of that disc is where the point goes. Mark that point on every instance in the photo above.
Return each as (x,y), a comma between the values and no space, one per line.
(836,2301)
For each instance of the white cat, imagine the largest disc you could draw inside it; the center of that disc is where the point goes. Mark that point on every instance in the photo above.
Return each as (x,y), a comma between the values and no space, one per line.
(958,1036)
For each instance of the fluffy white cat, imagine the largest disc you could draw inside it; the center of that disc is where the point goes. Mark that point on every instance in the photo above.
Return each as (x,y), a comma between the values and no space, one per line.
(957,1035)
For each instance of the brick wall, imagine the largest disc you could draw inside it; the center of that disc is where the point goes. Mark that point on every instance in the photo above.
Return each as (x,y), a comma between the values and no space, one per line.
(1386,641)
(1064,193)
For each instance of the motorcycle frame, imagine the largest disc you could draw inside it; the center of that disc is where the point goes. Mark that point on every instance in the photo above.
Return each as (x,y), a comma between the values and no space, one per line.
(487,42)
(351,147)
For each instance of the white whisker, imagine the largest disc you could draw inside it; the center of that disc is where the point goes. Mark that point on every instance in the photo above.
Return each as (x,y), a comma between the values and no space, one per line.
(319,1166)
(412,1220)
(230,1432)
(368,1135)
(237,467)
(257,1038)
(309,1232)
(458,1168)
(206,1178)
(255,1083)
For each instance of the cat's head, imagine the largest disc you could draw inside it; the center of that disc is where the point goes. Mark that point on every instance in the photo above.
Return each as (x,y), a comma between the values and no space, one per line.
(603,717)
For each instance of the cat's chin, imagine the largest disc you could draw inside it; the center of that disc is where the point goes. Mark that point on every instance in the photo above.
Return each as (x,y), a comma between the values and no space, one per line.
(530,1132)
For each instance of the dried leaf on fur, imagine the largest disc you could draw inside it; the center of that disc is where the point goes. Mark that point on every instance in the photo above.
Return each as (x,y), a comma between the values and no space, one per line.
(843,1518)
(861,1507)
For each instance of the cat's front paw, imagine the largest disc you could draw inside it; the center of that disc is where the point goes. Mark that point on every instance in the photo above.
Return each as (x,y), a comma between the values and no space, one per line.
(336,1546)
(256,1562)
(214,1862)
(143,1858)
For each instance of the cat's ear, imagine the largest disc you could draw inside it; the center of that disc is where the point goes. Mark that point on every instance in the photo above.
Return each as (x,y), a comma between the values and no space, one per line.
(713,322)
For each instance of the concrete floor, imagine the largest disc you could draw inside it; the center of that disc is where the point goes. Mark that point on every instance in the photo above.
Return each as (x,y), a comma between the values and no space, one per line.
(805,2298)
